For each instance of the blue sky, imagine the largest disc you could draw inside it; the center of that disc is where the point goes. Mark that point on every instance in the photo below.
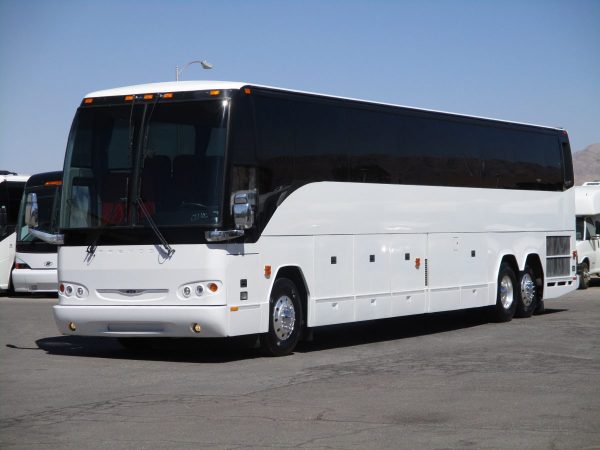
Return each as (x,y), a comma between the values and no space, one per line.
(528,61)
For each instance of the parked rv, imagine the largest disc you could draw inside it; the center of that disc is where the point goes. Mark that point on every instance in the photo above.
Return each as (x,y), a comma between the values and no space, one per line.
(587,209)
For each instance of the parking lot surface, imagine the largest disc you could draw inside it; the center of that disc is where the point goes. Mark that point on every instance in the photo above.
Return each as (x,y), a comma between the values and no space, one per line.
(443,381)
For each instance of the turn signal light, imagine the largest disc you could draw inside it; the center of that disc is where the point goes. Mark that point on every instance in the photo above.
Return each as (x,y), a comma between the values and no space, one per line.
(212,287)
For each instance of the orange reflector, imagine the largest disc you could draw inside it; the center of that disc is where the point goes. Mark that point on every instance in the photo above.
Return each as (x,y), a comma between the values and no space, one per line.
(212,287)
(267,271)
(53,183)
(247,91)
(213,93)
(88,101)
(129,98)
(234,309)
(417,262)
(168,95)
(148,96)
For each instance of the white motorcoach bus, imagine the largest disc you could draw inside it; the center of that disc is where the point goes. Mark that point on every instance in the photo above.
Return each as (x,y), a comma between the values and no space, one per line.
(35,260)
(11,190)
(205,209)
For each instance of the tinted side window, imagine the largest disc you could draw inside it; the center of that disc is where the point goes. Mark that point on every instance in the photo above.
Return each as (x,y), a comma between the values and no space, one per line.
(374,146)
(321,142)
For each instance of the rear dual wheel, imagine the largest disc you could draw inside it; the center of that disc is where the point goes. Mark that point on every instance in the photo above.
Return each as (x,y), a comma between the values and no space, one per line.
(529,295)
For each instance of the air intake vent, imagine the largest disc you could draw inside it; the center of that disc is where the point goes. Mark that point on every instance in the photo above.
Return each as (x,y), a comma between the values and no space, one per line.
(558,267)
(558,245)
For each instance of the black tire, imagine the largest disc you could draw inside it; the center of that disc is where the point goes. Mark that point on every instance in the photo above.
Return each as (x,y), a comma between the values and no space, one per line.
(507,295)
(584,278)
(528,294)
(285,319)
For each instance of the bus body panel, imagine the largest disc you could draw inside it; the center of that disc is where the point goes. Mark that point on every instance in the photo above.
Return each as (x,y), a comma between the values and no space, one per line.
(41,276)
(7,259)
(349,277)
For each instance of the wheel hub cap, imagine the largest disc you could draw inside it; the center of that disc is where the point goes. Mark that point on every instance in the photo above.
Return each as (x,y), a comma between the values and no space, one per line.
(284,317)
(527,290)
(506,292)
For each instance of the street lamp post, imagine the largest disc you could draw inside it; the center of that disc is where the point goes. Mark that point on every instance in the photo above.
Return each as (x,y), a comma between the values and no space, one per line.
(205,65)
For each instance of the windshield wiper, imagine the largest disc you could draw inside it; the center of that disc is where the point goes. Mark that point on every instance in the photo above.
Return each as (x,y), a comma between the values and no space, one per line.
(170,250)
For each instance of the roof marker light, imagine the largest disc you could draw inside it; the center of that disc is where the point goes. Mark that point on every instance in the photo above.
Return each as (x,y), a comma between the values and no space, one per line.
(148,96)
(168,95)
(88,101)
(247,91)
(214,93)
(129,98)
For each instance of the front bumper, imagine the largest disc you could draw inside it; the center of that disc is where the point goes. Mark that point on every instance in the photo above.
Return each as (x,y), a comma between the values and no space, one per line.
(142,321)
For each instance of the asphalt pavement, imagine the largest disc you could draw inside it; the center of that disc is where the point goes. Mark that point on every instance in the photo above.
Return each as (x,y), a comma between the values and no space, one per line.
(443,381)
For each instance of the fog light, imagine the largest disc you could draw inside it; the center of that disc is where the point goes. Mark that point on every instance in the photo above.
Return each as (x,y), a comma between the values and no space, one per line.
(187,291)
(196,327)
(69,290)
(72,326)
(199,290)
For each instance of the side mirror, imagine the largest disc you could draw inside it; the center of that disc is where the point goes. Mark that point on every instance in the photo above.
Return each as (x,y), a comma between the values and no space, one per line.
(31,210)
(243,204)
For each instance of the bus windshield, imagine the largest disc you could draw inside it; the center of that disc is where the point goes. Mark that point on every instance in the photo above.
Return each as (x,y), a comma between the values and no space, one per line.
(165,157)
(48,199)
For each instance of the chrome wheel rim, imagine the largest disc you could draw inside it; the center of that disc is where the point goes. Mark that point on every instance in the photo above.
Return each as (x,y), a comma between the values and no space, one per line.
(527,290)
(506,292)
(284,317)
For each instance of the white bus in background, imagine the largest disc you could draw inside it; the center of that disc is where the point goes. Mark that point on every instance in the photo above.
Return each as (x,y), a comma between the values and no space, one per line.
(35,267)
(205,209)
(587,209)
(11,190)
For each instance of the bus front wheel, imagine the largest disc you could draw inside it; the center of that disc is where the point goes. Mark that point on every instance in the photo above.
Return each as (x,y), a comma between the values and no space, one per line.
(285,319)
(507,296)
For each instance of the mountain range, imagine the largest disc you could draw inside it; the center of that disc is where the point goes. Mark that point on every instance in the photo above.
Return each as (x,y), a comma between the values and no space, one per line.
(586,164)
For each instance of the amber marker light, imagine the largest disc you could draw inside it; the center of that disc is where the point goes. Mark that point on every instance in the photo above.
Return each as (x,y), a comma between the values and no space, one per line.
(168,95)
(88,101)
(148,96)
(214,93)
(247,91)
(53,183)
(129,98)
(267,271)
(417,262)
(234,309)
